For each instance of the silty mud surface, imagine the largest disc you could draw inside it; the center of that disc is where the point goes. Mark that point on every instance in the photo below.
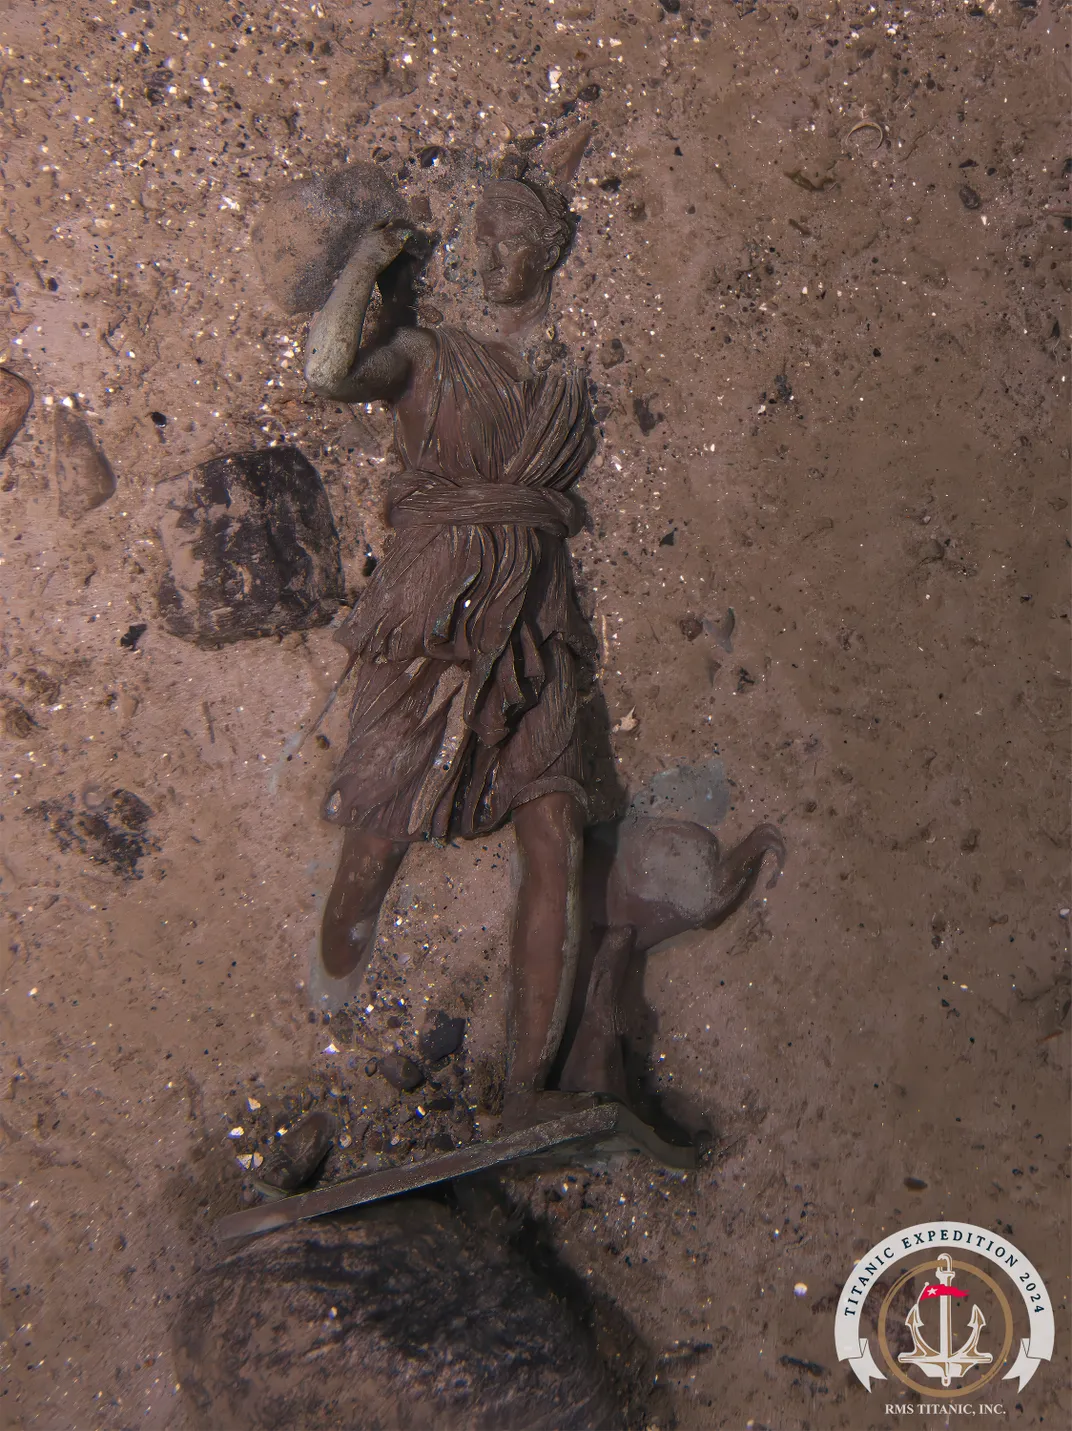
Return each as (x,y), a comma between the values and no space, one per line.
(836,404)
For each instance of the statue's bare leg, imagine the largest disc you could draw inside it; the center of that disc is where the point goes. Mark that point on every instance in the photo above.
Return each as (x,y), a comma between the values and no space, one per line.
(543,955)
(367,866)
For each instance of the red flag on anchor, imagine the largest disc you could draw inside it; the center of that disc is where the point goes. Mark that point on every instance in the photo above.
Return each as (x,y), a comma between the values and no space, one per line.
(933,1290)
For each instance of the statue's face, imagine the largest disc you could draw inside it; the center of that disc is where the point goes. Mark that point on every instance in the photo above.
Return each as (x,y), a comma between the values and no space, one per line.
(512,260)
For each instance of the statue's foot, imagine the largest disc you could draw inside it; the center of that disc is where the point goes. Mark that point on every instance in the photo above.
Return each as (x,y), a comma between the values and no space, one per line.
(326,993)
(296,1158)
(527,1107)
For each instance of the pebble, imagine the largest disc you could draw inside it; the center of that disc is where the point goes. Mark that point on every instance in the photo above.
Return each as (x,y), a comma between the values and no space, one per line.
(441,1036)
(968,197)
(612,353)
(16,399)
(83,474)
(400,1072)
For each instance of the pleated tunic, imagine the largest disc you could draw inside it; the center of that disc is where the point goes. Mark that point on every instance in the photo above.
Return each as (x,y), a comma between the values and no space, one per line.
(468,632)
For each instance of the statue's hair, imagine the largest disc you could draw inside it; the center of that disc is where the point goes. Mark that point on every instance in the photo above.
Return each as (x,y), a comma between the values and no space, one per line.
(540,205)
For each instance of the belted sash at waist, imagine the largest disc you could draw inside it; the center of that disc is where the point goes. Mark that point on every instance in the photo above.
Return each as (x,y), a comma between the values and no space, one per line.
(425,499)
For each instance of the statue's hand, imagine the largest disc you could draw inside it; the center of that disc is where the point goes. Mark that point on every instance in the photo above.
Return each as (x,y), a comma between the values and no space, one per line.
(382,245)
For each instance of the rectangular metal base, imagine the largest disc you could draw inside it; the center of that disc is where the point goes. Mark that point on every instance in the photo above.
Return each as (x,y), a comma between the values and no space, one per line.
(603,1130)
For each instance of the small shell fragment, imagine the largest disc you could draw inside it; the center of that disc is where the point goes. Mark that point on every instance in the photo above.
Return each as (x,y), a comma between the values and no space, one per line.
(238,1132)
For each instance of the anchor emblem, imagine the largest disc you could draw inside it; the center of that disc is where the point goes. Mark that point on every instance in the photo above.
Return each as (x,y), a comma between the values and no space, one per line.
(945,1363)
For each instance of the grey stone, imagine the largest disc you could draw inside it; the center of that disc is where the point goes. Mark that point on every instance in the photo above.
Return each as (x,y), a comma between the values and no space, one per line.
(306,231)
(83,474)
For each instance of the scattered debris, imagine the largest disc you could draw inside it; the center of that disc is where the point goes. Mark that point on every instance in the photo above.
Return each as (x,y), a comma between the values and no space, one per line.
(813,1368)
(628,721)
(813,186)
(863,126)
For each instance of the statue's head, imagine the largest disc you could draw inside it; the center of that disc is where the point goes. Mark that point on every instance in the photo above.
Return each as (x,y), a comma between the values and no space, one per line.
(521,236)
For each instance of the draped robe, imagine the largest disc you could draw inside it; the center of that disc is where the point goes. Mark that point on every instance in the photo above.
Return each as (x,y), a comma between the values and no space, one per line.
(468,632)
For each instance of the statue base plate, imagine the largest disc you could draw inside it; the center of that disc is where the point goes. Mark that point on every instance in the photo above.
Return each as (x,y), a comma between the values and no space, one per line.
(590,1135)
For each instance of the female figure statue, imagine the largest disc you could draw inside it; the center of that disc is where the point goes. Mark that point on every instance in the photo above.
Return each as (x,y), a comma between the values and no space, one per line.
(464,712)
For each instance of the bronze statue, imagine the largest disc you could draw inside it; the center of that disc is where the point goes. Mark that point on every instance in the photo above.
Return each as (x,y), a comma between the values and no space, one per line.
(468,634)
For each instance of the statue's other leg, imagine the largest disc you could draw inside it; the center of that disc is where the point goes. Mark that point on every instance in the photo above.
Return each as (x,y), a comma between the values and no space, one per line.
(543,954)
(595,1063)
(367,866)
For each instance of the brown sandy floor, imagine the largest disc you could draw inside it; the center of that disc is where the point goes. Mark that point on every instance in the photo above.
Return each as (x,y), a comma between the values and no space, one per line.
(854,341)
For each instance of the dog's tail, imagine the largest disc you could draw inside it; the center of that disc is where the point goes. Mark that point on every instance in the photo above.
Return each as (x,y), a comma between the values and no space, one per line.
(741,865)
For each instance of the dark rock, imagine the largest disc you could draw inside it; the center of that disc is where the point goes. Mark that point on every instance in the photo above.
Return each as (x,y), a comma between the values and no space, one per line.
(307,231)
(440,1037)
(252,547)
(132,635)
(690,627)
(83,474)
(612,353)
(402,1316)
(18,722)
(646,419)
(968,197)
(112,831)
(589,94)
(293,1161)
(16,399)
(401,1072)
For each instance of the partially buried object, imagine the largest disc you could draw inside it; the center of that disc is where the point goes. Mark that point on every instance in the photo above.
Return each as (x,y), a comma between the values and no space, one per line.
(405,1316)
(575,1129)
(307,231)
(83,474)
(16,399)
(252,548)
